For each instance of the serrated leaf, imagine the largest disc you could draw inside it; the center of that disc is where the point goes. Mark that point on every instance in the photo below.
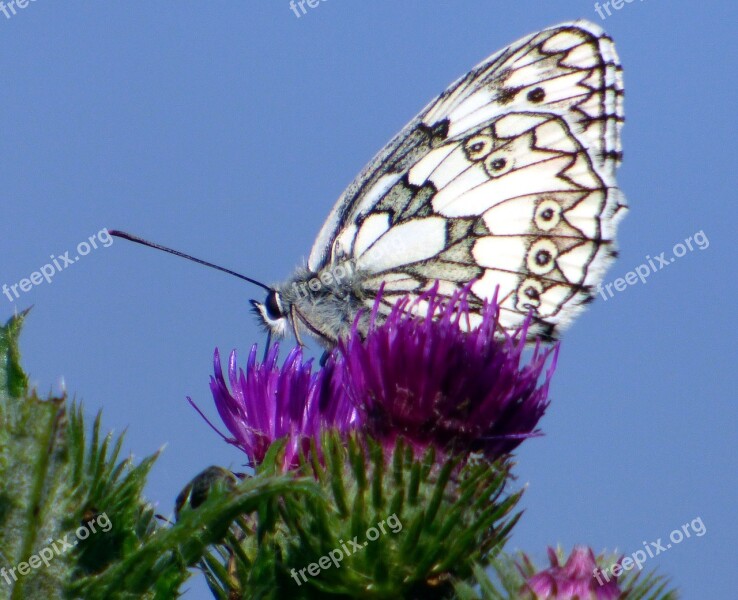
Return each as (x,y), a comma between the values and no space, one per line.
(13,381)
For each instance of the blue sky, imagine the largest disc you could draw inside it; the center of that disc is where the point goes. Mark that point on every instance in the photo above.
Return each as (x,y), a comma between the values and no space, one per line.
(228,129)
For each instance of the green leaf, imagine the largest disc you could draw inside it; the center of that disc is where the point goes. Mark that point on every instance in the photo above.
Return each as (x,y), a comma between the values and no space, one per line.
(69,508)
(13,381)
(32,477)
(184,544)
(441,521)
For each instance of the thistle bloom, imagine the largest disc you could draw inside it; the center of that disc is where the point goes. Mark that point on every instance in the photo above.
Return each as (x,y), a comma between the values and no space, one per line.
(268,402)
(575,580)
(433,380)
(436,381)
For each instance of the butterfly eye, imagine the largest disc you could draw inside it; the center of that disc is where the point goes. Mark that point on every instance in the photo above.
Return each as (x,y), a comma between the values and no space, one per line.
(542,256)
(548,215)
(497,164)
(477,147)
(273,306)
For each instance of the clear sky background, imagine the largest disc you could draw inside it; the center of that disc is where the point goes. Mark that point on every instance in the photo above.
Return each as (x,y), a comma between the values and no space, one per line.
(228,129)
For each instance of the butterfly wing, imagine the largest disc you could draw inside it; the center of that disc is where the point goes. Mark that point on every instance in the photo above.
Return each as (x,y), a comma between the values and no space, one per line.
(507,178)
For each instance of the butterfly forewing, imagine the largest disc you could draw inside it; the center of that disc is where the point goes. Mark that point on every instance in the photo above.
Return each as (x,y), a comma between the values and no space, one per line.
(507,179)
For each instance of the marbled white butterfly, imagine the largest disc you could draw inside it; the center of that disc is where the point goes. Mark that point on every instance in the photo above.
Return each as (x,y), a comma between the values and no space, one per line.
(506,180)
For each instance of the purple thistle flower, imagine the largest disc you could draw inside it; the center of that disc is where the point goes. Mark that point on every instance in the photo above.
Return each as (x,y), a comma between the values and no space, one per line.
(578,579)
(436,381)
(433,380)
(267,402)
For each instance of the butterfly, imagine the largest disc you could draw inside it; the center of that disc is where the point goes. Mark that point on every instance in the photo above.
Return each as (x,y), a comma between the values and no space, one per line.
(505,184)
(506,180)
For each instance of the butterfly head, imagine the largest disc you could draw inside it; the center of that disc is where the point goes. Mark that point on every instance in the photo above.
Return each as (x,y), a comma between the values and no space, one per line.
(322,304)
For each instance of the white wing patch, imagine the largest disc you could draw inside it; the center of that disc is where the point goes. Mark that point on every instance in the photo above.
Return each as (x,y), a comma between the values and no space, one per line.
(372,229)
(507,180)
(411,242)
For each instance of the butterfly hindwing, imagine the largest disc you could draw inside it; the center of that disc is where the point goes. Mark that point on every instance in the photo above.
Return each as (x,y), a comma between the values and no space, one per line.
(508,178)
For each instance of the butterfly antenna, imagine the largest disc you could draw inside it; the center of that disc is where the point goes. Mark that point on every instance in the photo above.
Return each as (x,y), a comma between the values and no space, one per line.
(138,240)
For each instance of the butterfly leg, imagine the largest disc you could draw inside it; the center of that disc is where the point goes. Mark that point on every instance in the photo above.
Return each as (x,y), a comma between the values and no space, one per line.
(267,346)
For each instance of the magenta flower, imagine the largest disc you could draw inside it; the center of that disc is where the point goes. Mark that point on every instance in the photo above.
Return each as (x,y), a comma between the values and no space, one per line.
(579,579)
(433,380)
(267,402)
(436,381)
